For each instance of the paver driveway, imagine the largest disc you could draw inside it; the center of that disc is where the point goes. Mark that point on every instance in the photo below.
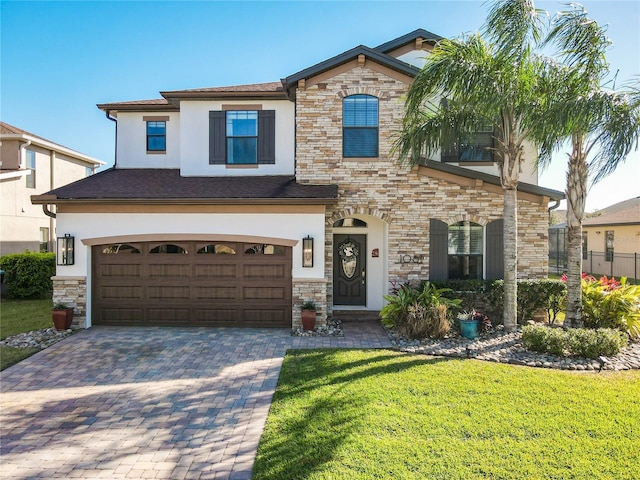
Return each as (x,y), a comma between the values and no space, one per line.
(148,402)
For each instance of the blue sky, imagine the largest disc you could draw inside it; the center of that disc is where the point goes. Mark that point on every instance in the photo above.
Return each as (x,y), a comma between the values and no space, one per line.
(59,59)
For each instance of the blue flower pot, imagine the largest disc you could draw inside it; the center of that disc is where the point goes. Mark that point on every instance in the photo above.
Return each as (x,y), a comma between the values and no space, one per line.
(469,328)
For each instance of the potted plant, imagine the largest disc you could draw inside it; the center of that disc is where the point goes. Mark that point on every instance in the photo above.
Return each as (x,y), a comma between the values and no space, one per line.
(62,316)
(469,324)
(308,315)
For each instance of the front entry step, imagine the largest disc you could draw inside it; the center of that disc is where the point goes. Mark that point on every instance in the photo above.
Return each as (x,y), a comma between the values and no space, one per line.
(357,315)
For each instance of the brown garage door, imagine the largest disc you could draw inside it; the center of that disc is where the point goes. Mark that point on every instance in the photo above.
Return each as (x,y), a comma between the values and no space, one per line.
(191,284)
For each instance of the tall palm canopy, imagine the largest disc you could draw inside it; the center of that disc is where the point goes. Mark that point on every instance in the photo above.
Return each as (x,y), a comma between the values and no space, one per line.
(483,79)
(602,126)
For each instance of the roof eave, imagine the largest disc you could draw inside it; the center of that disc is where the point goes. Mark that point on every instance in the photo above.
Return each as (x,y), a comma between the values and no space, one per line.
(491,179)
(54,200)
(181,95)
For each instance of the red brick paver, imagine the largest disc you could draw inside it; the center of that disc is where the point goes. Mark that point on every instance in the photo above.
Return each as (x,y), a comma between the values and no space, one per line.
(148,402)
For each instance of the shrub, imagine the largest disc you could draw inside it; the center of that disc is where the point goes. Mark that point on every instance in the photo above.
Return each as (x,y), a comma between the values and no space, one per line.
(418,313)
(28,275)
(488,295)
(544,339)
(588,343)
(579,342)
(607,303)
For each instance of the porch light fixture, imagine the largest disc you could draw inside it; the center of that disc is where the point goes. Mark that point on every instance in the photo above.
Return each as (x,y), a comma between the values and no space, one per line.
(65,250)
(307,251)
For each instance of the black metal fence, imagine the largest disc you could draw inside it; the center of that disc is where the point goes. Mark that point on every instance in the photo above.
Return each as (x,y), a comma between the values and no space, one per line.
(623,264)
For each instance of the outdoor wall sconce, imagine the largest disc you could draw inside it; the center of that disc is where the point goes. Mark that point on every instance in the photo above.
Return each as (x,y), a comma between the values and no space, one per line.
(307,251)
(65,250)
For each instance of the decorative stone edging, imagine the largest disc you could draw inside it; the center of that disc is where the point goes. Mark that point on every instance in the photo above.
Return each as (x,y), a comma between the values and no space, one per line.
(333,328)
(40,339)
(502,347)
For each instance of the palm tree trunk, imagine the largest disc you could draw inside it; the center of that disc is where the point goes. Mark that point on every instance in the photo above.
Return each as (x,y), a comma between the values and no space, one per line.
(510,235)
(576,200)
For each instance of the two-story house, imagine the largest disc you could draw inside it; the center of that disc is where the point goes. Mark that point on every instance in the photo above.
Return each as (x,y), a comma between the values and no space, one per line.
(32,165)
(233,205)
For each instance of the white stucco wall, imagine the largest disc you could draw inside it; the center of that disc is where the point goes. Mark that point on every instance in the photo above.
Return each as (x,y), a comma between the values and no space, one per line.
(131,148)
(194,128)
(283,226)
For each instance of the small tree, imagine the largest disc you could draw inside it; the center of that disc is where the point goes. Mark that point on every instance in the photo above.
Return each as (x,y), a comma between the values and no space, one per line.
(490,79)
(600,123)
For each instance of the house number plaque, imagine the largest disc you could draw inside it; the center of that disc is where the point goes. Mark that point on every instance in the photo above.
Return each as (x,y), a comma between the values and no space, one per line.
(407,258)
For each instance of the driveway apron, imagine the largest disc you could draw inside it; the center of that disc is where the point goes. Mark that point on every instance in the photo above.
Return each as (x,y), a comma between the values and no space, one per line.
(177,403)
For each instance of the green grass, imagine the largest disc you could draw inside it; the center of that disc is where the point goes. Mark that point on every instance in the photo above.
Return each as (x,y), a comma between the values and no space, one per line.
(17,316)
(363,414)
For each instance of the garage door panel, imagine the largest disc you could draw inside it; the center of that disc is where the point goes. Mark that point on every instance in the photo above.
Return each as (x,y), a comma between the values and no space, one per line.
(264,316)
(219,286)
(222,317)
(216,271)
(122,316)
(115,270)
(169,271)
(216,293)
(168,315)
(264,271)
(263,293)
(168,292)
(118,292)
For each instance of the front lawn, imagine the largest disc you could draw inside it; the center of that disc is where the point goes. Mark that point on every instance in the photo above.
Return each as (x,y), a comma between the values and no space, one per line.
(17,316)
(362,414)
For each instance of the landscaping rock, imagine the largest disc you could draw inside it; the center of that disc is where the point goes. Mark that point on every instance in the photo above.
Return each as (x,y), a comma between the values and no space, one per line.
(499,346)
(39,339)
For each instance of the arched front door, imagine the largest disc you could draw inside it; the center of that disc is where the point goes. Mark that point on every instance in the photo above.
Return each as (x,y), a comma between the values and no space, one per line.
(349,269)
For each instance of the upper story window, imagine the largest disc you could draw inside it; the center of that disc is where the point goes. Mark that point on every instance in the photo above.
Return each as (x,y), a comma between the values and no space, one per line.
(360,126)
(476,148)
(31,166)
(242,136)
(156,136)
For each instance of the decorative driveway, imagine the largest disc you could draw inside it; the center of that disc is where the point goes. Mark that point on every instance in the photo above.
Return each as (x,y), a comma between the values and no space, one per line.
(175,403)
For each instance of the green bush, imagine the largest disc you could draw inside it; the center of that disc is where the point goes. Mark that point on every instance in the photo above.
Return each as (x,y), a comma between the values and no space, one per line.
(544,339)
(28,275)
(588,343)
(418,312)
(580,342)
(488,296)
(607,303)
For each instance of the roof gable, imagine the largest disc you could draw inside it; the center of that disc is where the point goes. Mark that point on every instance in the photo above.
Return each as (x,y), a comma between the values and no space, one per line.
(407,39)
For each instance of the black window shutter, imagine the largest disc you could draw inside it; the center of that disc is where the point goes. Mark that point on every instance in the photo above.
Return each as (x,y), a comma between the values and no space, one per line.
(217,138)
(495,250)
(266,136)
(438,250)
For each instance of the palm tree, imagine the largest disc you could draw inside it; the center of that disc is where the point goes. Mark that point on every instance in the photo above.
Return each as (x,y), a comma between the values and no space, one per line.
(597,121)
(493,82)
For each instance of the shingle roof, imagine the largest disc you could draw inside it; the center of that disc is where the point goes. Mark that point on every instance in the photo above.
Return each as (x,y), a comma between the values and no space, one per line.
(628,215)
(248,88)
(158,185)
(6,129)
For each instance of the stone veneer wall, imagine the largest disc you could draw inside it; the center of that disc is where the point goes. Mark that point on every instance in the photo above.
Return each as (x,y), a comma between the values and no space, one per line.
(309,289)
(72,291)
(398,195)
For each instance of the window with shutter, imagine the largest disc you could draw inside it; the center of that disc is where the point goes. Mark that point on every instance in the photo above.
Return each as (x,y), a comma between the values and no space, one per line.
(465,249)
(242,137)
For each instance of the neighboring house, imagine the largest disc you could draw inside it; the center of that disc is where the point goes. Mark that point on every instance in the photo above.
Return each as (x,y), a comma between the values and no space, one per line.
(233,205)
(611,240)
(31,165)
